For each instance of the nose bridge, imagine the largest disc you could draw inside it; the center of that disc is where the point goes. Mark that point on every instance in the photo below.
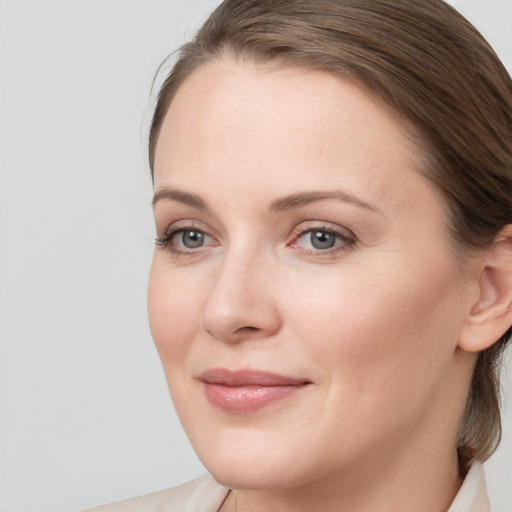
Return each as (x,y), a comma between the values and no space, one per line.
(241,303)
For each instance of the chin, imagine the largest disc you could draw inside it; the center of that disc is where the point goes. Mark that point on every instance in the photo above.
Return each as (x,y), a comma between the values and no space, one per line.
(255,460)
(255,475)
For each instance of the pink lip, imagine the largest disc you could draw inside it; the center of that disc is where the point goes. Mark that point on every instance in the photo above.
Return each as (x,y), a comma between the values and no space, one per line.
(245,391)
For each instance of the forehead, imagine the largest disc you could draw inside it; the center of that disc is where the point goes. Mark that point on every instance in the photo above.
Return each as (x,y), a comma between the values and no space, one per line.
(269,123)
(251,87)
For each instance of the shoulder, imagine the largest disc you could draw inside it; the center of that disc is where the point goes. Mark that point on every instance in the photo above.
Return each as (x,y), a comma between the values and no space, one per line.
(201,495)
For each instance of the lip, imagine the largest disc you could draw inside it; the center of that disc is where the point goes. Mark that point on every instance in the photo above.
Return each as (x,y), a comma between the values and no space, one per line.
(246,391)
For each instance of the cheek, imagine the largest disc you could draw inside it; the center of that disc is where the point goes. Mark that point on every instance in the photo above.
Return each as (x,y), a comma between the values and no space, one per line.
(384,342)
(173,310)
(387,329)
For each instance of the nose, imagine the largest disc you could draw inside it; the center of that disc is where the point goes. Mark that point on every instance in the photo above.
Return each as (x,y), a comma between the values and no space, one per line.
(242,303)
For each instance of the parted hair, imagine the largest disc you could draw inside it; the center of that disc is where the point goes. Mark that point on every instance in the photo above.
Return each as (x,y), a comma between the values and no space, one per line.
(432,67)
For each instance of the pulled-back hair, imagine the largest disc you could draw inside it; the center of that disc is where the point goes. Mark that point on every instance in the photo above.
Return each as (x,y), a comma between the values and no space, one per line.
(433,68)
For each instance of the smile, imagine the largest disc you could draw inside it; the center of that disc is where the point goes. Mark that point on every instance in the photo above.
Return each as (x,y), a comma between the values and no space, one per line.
(246,391)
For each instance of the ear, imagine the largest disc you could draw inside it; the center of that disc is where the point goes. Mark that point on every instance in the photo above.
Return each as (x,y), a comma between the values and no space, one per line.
(491,315)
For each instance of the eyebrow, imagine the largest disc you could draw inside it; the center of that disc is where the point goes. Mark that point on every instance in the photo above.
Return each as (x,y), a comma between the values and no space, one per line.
(181,197)
(283,204)
(304,198)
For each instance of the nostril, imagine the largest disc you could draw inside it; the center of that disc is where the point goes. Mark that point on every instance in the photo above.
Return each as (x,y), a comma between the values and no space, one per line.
(248,332)
(237,319)
(248,329)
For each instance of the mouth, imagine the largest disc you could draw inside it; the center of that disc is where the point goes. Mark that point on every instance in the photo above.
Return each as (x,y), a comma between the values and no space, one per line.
(246,391)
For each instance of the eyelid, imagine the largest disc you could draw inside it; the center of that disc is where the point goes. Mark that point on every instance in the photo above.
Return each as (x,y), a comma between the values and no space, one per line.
(347,237)
(183,224)
(313,225)
(164,240)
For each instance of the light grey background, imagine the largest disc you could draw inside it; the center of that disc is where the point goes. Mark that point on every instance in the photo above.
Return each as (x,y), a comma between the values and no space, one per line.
(85,416)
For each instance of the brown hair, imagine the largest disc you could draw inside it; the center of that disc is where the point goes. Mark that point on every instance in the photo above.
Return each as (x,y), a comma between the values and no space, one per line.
(432,67)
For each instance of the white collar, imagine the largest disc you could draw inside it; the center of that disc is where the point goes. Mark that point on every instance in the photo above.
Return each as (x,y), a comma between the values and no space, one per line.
(472,496)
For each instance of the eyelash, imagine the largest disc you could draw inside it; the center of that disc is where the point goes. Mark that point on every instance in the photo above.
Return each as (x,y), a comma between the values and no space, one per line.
(347,240)
(165,240)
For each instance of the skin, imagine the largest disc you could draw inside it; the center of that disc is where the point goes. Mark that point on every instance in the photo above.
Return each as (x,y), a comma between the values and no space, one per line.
(375,323)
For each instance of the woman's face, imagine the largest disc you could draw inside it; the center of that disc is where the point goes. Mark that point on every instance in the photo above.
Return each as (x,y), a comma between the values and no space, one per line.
(303,296)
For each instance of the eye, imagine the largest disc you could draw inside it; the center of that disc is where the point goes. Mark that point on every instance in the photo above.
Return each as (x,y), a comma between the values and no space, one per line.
(184,240)
(321,240)
(191,239)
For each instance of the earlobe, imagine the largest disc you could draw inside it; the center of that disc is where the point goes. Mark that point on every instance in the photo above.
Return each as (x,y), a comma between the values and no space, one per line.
(491,315)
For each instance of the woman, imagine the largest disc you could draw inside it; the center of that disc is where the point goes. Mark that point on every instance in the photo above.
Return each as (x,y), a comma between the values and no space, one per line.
(331,286)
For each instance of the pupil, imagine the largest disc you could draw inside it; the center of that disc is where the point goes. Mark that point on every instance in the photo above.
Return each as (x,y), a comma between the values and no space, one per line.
(192,239)
(322,240)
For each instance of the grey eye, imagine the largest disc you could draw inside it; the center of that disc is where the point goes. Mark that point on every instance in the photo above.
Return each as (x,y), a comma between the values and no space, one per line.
(322,239)
(192,239)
